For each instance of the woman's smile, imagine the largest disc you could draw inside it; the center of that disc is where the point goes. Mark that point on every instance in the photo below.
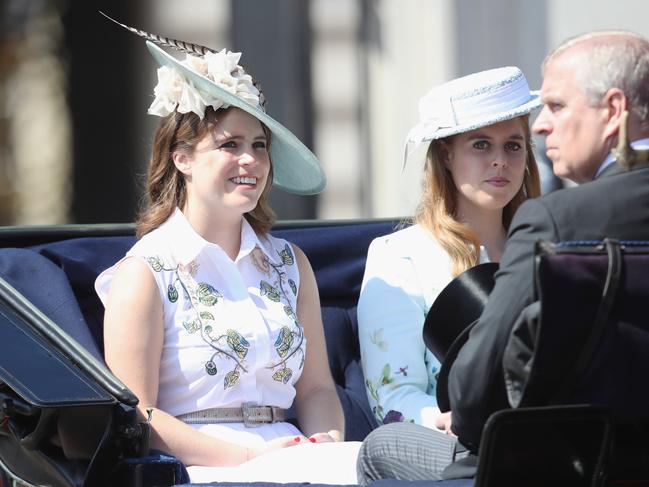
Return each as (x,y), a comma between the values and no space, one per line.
(248,181)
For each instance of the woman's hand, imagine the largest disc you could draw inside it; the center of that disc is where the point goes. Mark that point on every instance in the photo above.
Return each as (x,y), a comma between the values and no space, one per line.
(276,444)
(443,422)
(325,437)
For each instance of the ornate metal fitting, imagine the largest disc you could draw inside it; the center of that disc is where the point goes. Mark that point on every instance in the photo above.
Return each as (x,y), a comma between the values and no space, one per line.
(626,156)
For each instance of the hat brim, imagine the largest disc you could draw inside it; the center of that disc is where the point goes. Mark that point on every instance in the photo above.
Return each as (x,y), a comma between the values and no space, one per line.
(443,400)
(460,303)
(452,316)
(295,168)
(418,154)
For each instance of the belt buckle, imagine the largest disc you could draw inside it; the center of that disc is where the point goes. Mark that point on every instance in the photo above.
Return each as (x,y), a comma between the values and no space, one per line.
(249,418)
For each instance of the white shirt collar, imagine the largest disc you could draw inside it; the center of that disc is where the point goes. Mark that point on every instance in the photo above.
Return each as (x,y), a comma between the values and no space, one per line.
(610,159)
(186,243)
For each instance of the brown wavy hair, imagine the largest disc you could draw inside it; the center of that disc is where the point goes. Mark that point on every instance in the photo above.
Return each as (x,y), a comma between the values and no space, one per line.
(165,185)
(437,207)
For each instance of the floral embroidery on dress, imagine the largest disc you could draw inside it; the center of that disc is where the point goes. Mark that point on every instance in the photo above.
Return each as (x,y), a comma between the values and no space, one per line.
(156,263)
(286,255)
(205,294)
(230,344)
(385,379)
(172,293)
(237,344)
(260,260)
(393,417)
(269,291)
(377,339)
(188,269)
(284,341)
(289,341)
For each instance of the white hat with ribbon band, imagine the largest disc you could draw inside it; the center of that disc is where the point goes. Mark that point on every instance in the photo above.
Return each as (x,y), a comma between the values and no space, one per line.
(468,103)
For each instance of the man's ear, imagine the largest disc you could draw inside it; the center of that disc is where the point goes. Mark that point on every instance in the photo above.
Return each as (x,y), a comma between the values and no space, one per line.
(182,162)
(615,103)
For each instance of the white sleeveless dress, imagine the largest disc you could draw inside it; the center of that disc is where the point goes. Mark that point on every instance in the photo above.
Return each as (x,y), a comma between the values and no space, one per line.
(232,336)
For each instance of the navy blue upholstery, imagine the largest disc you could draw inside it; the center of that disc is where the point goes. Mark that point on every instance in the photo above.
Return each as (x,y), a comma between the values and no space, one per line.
(81,261)
(48,288)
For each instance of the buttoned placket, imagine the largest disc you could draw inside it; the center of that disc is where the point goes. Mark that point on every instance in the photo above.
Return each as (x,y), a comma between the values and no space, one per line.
(243,313)
(244,263)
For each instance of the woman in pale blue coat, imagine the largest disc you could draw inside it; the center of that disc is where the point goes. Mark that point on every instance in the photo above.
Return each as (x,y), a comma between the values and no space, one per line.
(473,138)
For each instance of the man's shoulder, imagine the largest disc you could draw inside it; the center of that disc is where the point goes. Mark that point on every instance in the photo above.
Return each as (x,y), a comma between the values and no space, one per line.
(603,188)
(567,201)
(587,210)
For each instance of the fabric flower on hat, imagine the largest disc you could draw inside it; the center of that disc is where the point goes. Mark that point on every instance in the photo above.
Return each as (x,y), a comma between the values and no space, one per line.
(248,91)
(221,67)
(167,92)
(174,93)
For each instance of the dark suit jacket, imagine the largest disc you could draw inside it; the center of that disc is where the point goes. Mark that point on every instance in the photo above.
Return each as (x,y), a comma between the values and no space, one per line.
(615,205)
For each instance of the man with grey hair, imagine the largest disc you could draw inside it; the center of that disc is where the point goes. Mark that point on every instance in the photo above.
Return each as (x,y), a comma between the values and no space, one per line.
(588,80)
(590,84)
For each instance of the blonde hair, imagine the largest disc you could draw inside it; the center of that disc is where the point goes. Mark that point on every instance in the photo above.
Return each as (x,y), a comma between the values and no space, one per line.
(165,185)
(437,207)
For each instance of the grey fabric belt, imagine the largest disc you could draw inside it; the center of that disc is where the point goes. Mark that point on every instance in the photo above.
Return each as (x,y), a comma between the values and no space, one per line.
(249,414)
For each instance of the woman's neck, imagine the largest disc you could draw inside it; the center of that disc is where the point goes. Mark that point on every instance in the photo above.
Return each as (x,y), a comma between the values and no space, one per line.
(488,228)
(224,232)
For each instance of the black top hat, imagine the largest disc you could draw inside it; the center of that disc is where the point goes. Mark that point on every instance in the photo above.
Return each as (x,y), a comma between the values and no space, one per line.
(452,316)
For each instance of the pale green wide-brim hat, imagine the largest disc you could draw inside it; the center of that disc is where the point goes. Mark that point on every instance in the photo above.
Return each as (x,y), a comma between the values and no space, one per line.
(295,168)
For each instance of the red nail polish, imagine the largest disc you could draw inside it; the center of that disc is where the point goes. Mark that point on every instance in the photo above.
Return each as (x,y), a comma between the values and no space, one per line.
(312,440)
(297,439)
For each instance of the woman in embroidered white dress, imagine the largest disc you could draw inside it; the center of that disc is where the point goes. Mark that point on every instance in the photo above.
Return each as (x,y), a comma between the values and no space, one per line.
(209,318)
(473,140)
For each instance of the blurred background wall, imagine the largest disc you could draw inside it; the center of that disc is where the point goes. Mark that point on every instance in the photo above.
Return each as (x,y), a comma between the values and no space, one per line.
(344,75)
